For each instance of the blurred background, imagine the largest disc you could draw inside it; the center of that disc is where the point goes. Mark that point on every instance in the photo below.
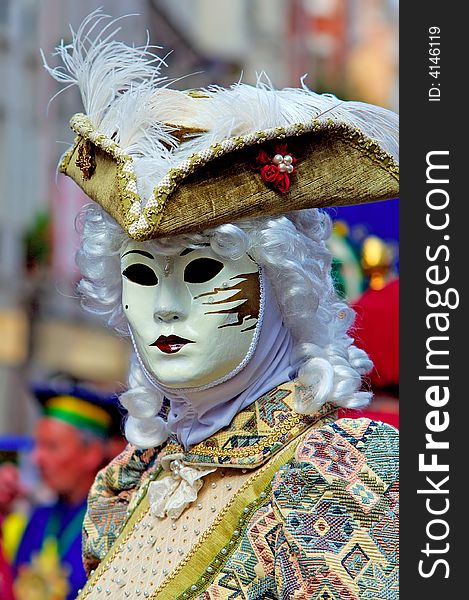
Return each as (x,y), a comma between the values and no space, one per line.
(347,47)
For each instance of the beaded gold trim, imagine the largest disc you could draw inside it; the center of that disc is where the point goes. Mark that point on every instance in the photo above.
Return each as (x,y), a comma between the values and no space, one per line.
(288,426)
(281,430)
(141,219)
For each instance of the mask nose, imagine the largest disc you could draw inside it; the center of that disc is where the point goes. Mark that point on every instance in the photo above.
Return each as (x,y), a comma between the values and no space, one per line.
(171,302)
(167,315)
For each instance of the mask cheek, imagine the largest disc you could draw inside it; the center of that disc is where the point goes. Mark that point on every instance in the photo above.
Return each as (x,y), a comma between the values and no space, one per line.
(128,303)
(224,354)
(125,299)
(235,340)
(137,307)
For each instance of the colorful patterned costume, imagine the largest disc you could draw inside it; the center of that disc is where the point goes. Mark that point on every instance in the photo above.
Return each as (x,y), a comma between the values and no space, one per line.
(298,507)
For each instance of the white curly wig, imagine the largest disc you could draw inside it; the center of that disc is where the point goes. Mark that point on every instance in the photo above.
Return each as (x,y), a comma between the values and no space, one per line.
(292,251)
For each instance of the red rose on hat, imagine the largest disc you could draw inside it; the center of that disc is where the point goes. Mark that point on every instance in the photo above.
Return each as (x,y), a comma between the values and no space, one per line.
(277,170)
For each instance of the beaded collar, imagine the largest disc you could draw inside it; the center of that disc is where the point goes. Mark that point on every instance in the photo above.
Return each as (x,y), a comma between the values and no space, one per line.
(255,434)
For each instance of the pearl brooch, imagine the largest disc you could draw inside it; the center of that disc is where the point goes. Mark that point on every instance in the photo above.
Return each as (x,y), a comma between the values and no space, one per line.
(276,171)
(284,163)
(278,159)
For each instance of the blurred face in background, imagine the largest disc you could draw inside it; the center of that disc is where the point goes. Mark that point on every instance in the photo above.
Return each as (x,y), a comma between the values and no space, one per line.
(68,459)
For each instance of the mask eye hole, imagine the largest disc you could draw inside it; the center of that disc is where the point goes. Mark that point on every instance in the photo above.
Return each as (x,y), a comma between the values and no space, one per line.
(201,270)
(140,274)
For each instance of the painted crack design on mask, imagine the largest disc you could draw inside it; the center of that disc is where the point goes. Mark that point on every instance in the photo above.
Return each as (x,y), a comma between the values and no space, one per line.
(247,291)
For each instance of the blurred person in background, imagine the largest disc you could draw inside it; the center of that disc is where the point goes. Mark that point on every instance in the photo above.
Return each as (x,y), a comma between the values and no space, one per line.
(72,438)
(6,588)
(10,489)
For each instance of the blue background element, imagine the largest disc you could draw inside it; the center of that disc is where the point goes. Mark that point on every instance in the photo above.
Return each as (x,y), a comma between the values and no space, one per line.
(378,218)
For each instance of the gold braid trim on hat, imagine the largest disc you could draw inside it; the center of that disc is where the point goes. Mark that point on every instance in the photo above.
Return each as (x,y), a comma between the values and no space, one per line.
(118,194)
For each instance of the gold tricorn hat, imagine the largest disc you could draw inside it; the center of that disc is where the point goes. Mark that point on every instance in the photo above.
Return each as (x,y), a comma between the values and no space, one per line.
(163,162)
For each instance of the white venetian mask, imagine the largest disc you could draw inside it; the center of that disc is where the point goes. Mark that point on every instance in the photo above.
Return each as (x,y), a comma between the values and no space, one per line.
(193,316)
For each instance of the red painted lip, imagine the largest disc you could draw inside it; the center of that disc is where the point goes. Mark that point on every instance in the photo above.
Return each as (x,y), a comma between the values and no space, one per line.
(171,344)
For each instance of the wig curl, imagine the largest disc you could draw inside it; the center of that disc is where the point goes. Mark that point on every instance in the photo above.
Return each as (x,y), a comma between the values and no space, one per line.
(292,250)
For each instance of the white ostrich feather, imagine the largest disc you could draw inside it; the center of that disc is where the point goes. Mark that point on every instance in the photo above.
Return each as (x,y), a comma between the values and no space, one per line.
(103,68)
(127,99)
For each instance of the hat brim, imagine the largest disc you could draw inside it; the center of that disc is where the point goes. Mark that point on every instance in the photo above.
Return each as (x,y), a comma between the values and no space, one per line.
(337,165)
